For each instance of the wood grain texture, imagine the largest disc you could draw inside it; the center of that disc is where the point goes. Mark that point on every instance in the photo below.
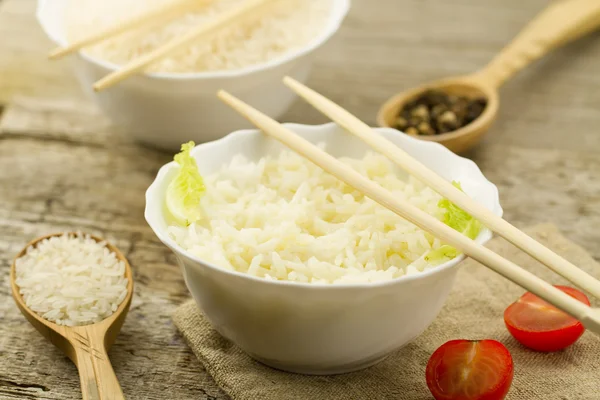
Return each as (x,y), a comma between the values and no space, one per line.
(62,168)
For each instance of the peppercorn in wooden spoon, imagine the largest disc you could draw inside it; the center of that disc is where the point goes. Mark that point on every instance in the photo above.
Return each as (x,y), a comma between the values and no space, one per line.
(456,112)
(435,112)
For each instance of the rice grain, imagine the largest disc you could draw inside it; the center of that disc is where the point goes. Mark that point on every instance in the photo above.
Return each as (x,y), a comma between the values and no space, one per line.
(71,280)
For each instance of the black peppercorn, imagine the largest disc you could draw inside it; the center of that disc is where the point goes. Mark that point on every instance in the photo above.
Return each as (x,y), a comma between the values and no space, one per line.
(435,112)
(425,129)
(412,131)
(420,112)
(438,110)
(401,123)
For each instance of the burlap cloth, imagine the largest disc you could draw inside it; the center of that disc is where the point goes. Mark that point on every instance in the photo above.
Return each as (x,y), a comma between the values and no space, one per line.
(473,311)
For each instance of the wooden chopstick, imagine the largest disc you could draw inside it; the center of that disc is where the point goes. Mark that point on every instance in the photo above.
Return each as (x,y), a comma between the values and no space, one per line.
(166,12)
(589,317)
(497,224)
(219,22)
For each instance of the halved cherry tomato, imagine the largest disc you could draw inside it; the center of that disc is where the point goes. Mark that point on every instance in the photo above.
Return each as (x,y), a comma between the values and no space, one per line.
(541,326)
(470,370)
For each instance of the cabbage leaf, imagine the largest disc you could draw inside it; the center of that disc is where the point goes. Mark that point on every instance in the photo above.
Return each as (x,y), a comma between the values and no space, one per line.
(186,189)
(459,220)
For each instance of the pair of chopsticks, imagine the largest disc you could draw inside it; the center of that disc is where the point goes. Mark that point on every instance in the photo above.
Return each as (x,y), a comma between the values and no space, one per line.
(588,316)
(177,8)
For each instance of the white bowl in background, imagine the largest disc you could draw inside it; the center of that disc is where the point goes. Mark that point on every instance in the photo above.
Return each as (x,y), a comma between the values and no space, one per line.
(308,328)
(167,109)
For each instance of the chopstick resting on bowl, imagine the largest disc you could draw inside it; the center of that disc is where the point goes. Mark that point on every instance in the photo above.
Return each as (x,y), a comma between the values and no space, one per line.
(589,317)
(163,14)
(497,224)
(219,22)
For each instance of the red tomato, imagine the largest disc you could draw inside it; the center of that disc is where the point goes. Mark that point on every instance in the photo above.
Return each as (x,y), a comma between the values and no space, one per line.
(470,370)
(541,326)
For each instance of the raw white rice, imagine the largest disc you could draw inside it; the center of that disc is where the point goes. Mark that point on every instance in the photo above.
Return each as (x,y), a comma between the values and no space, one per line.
(286,25)
(71,280)
(284,218)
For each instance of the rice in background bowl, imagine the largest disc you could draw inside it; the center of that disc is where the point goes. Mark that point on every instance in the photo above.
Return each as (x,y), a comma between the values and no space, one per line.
(278,28)
(166,109)
(317,328)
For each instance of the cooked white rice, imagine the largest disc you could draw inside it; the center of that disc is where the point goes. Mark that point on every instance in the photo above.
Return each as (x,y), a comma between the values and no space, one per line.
(284,218)
(71,280)
(286,25)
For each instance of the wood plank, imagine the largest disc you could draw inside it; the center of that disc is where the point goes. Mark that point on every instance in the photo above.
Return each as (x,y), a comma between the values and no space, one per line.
(24,68)
(63,167)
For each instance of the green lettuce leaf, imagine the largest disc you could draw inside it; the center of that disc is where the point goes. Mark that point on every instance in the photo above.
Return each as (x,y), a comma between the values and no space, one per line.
(459,220)
(443,254)
(186,189)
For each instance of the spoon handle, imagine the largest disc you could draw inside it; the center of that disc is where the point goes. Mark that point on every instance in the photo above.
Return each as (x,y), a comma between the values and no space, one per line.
(98,379)
(561,22)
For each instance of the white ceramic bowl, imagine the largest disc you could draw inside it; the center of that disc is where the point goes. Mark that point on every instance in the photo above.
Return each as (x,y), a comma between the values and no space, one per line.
(164,110)
(318,329)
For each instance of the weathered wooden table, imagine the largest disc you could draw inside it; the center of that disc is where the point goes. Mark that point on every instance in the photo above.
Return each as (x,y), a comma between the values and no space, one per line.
(62,168)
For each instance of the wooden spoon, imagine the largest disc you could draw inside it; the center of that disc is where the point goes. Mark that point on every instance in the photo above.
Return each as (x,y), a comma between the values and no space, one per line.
(85,345)
(561,22)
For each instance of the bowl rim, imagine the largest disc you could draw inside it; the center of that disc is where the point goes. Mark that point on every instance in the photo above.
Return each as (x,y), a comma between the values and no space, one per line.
(339,12)
(164,237)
